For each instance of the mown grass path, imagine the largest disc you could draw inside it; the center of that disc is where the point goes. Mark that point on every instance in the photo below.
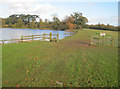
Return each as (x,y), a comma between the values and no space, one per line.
(69,63)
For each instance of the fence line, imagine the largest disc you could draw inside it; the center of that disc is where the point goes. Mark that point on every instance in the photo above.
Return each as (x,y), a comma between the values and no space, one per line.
(41,37)
(104,41)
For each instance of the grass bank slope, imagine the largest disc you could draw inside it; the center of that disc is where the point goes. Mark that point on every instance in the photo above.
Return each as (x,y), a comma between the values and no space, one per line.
(70,62)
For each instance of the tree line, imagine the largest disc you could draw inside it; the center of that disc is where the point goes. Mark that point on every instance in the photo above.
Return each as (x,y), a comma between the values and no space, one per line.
(103,27)
(74,21)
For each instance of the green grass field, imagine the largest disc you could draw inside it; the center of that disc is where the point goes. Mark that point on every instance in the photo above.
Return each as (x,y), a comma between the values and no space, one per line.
(68,63)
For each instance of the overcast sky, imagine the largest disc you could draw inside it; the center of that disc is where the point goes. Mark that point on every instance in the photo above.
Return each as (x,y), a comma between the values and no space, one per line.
(96,12)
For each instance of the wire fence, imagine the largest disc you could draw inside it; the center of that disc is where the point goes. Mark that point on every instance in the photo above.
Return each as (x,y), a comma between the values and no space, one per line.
(105,41)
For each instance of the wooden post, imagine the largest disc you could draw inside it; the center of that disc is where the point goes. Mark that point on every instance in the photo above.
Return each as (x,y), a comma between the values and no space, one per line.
(22,38)
(3,42)
(43,38)
(92,42)
(32,37)
(50,36)
(98,40)
(57,37)
(12,40)
(112,42)
(102,41)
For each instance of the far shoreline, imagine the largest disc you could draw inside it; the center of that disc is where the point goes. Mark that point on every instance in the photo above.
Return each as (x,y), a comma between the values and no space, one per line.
(66,30)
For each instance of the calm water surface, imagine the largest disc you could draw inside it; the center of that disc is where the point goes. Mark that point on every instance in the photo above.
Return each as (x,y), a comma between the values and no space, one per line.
(11,33)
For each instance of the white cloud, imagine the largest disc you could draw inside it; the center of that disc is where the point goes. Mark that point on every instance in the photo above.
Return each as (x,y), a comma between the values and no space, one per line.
(30,8)
(8,7)
(113,20)
(44,10)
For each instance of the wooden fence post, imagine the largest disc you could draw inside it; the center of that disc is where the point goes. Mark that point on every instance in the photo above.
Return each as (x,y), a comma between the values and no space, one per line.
(102,41)
(12,40)
(32,37)
(2,42)
(112,42)
(50,36)
(98,41)
(22,38)
(57,37)
(43,38)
